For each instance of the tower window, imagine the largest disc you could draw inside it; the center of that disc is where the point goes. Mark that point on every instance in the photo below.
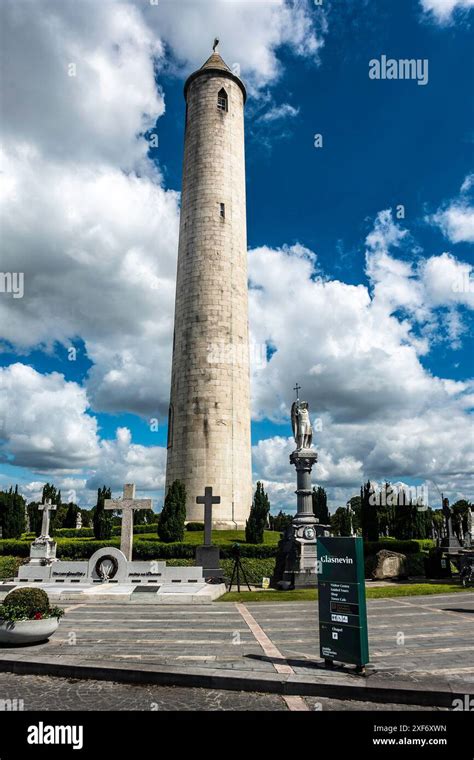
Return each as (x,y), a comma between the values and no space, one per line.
(222,102)
(222,210)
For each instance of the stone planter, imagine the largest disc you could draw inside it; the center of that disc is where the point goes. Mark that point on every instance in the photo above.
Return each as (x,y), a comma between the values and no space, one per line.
(27,631)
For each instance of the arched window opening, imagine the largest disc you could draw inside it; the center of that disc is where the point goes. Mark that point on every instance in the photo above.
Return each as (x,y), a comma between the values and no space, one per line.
(222,100)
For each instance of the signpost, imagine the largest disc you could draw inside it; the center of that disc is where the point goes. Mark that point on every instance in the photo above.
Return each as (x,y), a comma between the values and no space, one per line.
(342,608)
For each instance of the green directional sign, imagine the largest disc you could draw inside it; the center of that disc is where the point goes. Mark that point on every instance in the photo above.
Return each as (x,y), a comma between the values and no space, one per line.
(341,598)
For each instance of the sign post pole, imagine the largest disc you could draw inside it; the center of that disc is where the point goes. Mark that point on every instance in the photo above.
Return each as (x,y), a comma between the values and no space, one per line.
(343,635)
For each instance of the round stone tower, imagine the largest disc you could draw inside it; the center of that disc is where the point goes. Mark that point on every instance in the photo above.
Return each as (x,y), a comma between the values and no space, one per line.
(209,415)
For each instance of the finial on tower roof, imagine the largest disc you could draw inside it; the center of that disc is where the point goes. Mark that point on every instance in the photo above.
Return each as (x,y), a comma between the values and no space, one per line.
(216,42)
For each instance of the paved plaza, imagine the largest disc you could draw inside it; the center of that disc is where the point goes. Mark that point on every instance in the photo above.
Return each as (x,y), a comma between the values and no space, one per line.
(424,640)
(50,694)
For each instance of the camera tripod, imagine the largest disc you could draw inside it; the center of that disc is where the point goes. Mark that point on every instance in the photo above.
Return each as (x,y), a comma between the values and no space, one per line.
(237,569)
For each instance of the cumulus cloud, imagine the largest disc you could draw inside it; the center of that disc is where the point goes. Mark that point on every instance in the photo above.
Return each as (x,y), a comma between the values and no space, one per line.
(356,352)
(44,423)
(103,269)
(443,11)
(78,79)
(251,33)
(456,218)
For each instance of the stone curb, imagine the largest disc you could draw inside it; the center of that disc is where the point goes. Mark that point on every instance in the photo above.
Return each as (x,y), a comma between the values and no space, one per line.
(425,692)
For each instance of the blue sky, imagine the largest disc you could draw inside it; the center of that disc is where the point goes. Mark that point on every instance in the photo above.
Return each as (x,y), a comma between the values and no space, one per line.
(90,213)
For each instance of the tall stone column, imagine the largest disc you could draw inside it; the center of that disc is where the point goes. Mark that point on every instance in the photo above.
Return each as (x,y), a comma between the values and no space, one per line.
(304,522)
(209,414)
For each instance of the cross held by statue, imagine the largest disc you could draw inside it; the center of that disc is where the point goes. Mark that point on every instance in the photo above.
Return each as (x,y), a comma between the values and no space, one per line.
(127,504)
(208,500)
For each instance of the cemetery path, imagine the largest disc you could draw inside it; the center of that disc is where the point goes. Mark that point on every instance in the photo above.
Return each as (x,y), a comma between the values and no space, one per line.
(424,642)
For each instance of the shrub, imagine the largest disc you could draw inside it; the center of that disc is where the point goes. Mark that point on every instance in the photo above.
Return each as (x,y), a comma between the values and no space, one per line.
(73,533)
(15,547)
(255,569)
(9,567)
(258,517)
(28,604)
(173,515)
(194,526)
(410,546)
(103,519)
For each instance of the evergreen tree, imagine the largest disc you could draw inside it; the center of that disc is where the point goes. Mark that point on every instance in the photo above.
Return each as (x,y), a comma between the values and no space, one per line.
(340,522)
(280,522)
(12,513)
(369,520)
(173,514)
(71,515)
(87,515)
(320,506)
(57,517)
(102,518)
(258,517)
(35,516)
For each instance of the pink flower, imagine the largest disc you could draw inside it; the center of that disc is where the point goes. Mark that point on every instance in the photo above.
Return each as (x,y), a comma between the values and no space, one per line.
(38,616)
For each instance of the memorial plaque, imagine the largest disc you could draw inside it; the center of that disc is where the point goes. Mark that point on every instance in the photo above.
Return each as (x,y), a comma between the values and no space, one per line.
(341,599)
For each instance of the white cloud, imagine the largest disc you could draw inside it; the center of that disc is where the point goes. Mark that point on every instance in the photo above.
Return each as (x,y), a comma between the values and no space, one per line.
(250,32)
(44,421)
(96,115)
(47,427)
(443,10)
(356,354)
(456,219)
(282,111)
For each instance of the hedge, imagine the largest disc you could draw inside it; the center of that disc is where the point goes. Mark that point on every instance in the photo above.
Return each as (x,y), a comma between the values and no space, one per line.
(9,567)
(412,546)
(194,526)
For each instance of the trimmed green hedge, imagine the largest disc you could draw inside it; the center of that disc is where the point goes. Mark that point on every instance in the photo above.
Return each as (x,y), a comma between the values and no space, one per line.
(69,548)
(9,567)
(413,546)
(193,526)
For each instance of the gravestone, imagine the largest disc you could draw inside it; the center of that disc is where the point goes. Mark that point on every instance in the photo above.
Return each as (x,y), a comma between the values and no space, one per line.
(127,504)
(207,555)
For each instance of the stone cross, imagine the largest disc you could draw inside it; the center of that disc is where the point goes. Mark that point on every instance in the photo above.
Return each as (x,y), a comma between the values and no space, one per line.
(208,500)
(46,508)
(127,504)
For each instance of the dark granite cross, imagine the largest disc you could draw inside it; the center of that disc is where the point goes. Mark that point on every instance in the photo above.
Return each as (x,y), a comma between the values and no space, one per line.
(208,500)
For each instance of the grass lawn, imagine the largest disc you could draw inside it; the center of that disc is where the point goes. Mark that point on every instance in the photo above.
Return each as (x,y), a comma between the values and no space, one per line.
(310,595)
(219,537)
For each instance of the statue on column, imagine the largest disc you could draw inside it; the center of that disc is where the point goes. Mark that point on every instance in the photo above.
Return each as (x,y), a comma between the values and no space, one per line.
(301,424)
(296,558)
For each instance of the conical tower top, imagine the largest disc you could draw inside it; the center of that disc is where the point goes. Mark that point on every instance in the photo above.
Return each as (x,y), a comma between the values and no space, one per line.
(215,65)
